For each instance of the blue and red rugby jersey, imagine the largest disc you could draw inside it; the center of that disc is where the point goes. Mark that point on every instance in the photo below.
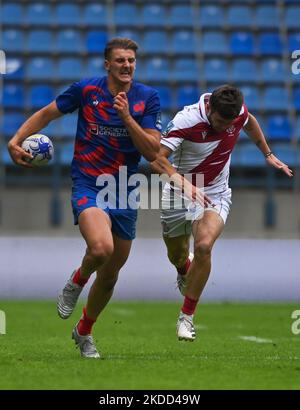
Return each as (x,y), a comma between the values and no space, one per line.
(102,142)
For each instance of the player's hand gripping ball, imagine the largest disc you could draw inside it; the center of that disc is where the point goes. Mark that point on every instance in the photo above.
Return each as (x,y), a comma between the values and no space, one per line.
(41,149)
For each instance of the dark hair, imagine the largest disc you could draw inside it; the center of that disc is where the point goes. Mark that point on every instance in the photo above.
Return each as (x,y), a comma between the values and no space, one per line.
(119,42)
(227,101)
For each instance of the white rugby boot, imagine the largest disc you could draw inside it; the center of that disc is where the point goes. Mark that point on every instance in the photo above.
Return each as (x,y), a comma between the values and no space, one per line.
(85,344)
(185,327)
(67,300)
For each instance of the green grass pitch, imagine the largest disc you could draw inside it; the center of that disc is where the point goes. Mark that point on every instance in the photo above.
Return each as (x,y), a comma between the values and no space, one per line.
(140,350)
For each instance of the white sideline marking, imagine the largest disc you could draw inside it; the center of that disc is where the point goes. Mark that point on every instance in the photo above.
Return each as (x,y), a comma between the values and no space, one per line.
(255,339)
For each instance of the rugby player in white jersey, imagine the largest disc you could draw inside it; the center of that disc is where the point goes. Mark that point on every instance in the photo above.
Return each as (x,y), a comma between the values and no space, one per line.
(201,138)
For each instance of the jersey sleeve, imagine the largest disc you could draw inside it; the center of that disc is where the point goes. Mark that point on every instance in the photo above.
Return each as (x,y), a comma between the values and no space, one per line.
(152,115)
(176,131)
(245,115)
(70,99)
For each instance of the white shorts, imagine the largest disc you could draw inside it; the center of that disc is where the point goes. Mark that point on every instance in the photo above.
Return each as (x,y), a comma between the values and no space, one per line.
(177,222)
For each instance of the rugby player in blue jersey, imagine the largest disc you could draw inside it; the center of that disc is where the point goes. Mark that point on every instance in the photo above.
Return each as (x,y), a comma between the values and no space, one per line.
(118,121)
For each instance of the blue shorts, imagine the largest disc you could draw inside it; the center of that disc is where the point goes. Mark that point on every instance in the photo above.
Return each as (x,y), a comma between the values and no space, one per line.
(123,220)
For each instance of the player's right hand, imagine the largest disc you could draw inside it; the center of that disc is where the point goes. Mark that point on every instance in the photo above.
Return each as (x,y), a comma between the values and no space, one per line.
(196,195)
(18,155)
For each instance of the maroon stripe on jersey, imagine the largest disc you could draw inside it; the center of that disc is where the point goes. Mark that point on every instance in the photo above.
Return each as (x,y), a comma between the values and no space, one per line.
(212,166)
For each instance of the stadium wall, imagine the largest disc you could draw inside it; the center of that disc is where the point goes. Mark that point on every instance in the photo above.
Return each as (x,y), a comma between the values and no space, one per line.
(37,267)
(27,211)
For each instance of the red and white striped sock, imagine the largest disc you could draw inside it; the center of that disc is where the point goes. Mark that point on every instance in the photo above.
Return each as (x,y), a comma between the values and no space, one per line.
(85,324)
(79,280)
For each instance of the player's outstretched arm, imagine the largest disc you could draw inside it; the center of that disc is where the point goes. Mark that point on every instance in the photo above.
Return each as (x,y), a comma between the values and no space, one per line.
(256,134)
(34,124)
(145,140)
(163,166)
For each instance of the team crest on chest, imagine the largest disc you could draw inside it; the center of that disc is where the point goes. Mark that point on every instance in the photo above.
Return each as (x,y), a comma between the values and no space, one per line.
(204,134)
(231,129)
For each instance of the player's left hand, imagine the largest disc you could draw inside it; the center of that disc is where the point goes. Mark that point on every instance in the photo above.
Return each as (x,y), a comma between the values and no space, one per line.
(122,106)
(275,162)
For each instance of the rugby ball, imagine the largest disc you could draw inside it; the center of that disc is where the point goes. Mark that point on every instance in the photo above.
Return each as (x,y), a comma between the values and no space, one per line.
(40,147)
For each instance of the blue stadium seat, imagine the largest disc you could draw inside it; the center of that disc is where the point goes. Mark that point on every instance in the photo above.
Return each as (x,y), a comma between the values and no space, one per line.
(96,41)
(39,41)
(251,96)
(38,14)
(293,42)
(273,70)
(165,97)
(95,67)
(292,17)
(14,69)
(67,14)
(52,130)
(139,74)
(155,42)
(297,99)
(267,17)
(235,157)
(157,69)
(270,44)
(129,33)
(279,128)
(67,152)
(239,1)
(186,69)
(181,16)
(287,154)
(276,98)
(240,16)
(70,69)
(68,125)
(11,122)
(126,15)
(5,157)
(13,96)
(250,156)
(297,130)
(40,95)
(12,14)
(244,70)
(153,15)
(214,42)
(13,41)
(40,68)
(187,95)
(242,43)
(95,14)
(69,41)
(184,42)
(216,70)
(211,16)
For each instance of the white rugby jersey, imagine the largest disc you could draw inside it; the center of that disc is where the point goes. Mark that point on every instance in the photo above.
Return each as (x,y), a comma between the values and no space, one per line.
(197,148)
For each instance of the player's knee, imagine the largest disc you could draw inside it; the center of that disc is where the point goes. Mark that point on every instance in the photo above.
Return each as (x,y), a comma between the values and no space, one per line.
(203,248)
(101,251)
